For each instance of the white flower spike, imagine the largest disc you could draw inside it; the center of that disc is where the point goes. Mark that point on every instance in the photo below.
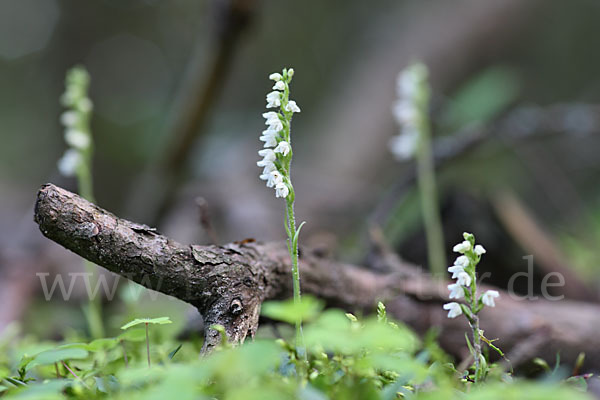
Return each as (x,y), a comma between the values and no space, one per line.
(277,148)
(77,159)
(464,271)
(453,308)
(488,298)
(410,86)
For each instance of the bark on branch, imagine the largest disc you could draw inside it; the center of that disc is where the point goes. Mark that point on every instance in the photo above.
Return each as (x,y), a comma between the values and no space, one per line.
(229,283)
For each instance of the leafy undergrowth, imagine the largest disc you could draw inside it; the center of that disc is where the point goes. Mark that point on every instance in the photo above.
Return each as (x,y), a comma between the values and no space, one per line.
(348,358)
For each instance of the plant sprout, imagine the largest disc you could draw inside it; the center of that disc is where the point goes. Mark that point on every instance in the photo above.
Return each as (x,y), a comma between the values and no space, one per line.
(147,322)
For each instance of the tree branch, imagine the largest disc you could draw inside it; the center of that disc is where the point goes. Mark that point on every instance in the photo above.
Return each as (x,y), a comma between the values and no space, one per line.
(229,283)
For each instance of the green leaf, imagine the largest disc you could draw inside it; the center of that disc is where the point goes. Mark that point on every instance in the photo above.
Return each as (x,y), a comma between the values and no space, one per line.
(172,354)
(49,390)
(334,332)
(153,321)
(381,313)
(60,354)
(102,344)
(133,335)
(295,241)
(525,390)
(289,311)
(541,363)
(482,98)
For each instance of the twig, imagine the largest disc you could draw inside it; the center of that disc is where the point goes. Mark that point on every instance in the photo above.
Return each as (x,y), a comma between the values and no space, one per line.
(74,374)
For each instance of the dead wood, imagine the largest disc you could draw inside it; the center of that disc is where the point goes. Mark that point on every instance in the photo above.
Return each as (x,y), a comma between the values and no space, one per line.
(228,283)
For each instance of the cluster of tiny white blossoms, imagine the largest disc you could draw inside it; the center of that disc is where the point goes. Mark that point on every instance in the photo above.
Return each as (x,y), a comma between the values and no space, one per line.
(277,151)
(76,121)
(408,110)
(464,271)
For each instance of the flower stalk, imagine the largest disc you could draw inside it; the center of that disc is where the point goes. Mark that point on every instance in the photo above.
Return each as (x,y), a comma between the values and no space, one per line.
(276,163)
(412,113)
(464,271)
(77,161)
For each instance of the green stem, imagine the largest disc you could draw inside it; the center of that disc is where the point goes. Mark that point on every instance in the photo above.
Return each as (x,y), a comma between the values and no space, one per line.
(74,374)
(293,247)
(147,345)
(429,200)
(474,323)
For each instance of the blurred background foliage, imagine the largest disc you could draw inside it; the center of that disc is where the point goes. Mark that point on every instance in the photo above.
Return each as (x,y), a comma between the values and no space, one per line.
(521,75)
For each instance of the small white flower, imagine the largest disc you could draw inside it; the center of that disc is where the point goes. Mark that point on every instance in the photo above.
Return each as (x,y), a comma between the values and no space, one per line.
(68,163)
(292,106)
(268,157)
(404,112)
(273,99)
(270,116)
(404,145)
(272,119)
(456,269)
(269,136)
(77,139)
(269,168)
(488,298)
(464,279)
(283,147)
(479,250)
(409,80)
(273,178)
(279,85)
(85,105)
(275,77)
(462,247)
(456,291)
(454,309)
(463,261)
(290,72)
(267,154)
(281,190)
(69,118)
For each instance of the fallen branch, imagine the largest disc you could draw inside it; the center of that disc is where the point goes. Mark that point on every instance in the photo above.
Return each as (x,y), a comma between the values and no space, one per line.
(229,283)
